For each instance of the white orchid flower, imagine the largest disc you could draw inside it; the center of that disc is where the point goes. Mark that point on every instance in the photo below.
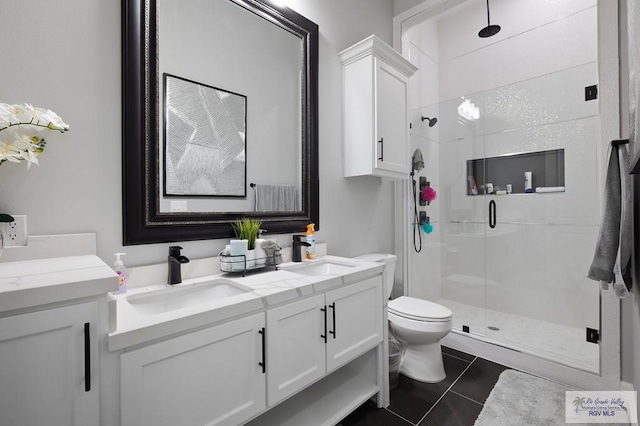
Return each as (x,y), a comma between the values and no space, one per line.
(52,119)
(19,126)
(9,152)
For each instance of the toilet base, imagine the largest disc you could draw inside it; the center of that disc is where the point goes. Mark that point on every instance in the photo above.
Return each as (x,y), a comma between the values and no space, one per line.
(423,363)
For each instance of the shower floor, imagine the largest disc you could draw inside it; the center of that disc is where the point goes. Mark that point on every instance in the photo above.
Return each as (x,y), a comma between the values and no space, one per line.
(554,342)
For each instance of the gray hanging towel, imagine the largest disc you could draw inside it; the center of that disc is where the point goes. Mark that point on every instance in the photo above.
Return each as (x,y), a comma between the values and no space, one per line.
(615,230)
(276,198)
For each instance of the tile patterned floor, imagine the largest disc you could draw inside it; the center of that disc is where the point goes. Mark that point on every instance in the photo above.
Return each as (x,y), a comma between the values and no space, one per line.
(456,401)
(546,340)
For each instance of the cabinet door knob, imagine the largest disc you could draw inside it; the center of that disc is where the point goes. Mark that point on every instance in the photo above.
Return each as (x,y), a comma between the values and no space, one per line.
(87,358)
(381,142)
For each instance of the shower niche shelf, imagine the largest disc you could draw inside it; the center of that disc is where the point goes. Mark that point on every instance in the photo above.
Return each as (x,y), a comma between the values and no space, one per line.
(546,167)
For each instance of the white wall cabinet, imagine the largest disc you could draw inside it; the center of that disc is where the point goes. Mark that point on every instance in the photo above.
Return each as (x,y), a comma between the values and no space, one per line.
(376,116)
(307,339)
(49,367)
(212,376)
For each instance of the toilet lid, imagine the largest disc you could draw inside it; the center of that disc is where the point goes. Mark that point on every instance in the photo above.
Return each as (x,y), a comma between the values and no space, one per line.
(418,309)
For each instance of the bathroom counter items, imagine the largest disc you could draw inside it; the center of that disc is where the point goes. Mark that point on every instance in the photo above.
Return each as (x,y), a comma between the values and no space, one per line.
(30,283)
(157,311)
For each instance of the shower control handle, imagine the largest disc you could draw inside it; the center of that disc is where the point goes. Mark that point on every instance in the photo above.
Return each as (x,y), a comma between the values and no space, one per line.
(492,214)
(381,142)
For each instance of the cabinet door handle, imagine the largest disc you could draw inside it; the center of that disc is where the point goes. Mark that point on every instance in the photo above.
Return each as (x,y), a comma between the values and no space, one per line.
(381,142)
(87,358)
(333,312)
(324,336)
(263,364)
(492,214)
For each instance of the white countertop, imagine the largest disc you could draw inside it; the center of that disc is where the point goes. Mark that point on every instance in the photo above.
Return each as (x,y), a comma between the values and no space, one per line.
(130,326)
(30,283)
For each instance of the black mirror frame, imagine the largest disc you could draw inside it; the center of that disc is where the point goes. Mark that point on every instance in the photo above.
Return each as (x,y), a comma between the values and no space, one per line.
(142,221)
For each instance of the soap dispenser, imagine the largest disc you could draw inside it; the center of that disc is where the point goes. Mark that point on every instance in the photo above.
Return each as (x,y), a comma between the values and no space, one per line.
(118,266)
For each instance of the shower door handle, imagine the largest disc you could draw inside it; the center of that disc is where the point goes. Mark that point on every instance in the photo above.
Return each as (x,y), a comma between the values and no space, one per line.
(492,214)
(381,142)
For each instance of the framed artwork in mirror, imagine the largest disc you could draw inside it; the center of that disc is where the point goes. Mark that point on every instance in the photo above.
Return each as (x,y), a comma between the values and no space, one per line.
(204,140)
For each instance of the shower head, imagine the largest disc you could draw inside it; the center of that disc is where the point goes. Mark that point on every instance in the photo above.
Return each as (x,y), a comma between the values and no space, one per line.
(432,121)
(417,162)
(489,30)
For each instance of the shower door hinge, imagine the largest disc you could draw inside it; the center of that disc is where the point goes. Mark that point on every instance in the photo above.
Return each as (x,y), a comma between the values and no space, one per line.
(591,93)
(593,335)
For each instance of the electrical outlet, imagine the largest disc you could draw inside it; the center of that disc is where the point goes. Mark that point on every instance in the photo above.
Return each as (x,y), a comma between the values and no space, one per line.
(15,233)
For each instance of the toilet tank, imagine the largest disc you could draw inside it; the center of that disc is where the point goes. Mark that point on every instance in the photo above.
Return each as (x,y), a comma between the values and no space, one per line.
(389,261)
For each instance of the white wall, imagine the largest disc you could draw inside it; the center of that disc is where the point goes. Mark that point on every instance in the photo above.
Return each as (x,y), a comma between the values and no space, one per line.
(65,56)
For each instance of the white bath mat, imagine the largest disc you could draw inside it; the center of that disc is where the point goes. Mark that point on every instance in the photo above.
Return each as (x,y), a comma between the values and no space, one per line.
(525,400)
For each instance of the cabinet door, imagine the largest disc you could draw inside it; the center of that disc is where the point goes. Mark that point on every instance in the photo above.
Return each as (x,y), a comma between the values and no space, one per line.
(43,366)
(355,321)
(210,377)
(392,124)
(295,347)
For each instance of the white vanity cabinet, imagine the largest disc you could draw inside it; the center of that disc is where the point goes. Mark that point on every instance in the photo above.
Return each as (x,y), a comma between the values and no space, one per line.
(211,376)
(376,116)
(355,313)
(313,337)
(49,367)
(295,347)
(307,356)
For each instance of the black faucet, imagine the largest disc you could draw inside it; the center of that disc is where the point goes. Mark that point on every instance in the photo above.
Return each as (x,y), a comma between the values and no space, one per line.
(298,243)
(175,260)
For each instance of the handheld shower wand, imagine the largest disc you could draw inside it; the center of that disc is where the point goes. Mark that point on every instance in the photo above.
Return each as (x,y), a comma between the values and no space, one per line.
(417,164)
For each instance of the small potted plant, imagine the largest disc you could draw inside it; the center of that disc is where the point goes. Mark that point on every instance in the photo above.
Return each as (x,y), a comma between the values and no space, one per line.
(247,229)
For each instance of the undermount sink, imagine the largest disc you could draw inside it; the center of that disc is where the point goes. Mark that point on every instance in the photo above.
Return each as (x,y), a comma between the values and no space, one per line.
(184,295)
(321,268)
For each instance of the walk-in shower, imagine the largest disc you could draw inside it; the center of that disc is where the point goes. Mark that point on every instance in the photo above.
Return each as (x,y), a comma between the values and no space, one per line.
(510,260)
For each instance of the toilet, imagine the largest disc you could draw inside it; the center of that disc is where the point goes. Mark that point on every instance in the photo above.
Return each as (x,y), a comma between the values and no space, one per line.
(418,323)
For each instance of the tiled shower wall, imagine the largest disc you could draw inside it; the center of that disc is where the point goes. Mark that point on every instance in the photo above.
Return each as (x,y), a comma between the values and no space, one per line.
(528,83)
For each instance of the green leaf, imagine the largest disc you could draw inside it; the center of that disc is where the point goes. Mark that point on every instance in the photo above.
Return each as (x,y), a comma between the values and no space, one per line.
(6,217)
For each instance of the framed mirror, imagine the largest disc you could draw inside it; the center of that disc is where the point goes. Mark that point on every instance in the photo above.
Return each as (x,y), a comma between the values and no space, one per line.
(264,55)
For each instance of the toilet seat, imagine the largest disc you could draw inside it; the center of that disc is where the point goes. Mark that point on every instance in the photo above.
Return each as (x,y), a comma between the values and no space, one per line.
(419,310)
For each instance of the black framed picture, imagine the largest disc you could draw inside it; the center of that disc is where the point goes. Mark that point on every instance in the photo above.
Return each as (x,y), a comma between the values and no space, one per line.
(205,131)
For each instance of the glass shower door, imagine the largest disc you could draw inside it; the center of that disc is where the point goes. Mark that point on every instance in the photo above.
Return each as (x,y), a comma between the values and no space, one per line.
(463,214)
(538,298)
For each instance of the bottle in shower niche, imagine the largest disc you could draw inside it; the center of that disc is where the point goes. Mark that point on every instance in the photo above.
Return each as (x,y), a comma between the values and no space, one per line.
(528,176)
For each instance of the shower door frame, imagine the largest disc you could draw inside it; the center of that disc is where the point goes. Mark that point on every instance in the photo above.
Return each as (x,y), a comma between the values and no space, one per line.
(608,85)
